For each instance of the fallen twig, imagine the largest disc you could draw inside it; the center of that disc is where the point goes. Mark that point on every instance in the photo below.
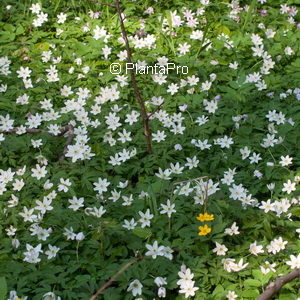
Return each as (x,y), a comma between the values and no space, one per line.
(275,286)
(114,277)
(68,129)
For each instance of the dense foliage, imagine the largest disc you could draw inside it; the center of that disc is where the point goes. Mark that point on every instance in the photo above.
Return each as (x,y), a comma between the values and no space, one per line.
(212,213)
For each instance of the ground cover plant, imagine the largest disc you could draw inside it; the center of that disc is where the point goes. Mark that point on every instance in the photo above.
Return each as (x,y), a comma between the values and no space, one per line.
(149,185)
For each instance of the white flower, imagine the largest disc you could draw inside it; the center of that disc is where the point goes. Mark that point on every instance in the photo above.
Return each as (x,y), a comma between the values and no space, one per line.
(185,275)
(294,261)
(255,249)
(231,295)
(276,245)
(106,51)
(173,88)
(159,136)
(184,48)
(177,147)
(269,267)
(76,203)
(51,253)
(202,120)
(51,296)
(69,233)
(188,289)
(234,65)
(154,250)
(64,185)
(228,264)
(220,249)
(285,160)
(237,192)
(161,293)
(135,287)
(24,72)
(289,187)
(184,189)
(18,184)
(168,208)
(164,174)
(94,211)
(28,215)
(11,231)
(267,206)
(205,86)
(224,142)
(210,106)
(101,185)
(44,205)
(239,266)
(35,8)
(127,200)
(288,51)
(255,158)
(160,281)
(167,252)
(38,172)
(176,169)
(145,218)
(185,282)
(233,230)
(61,18)
(79,236)
(15,243)
(129,225)
(192,162)
(32,253)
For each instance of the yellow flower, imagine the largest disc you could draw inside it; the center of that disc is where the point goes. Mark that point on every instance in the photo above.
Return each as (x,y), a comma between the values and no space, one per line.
(204,230)
(205,217)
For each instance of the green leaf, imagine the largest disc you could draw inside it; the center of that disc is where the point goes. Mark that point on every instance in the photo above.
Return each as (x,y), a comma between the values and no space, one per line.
(287,297)
(267,229)
(20,29)
(250,294)
(223,29)
(169,18)
(257,274)
(144,233)
(295,211)
(218,290)
(3,288)
(42,46)
(252,282)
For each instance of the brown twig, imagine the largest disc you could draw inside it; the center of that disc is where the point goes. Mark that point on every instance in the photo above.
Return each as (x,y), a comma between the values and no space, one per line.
(156,110)
(68,129)
(136,90)
(28,130)
(274,287)
(114,277)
